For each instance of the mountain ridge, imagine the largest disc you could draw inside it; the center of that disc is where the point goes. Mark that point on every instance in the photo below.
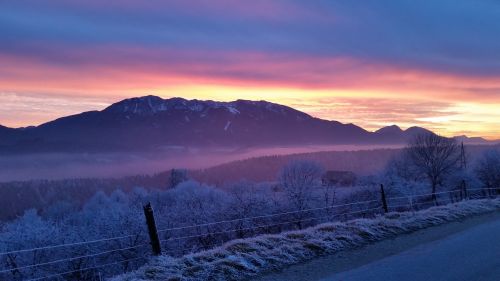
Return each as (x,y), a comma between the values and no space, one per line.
(151,122)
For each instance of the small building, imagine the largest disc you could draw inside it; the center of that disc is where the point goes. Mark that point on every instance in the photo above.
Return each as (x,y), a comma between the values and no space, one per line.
(338,178)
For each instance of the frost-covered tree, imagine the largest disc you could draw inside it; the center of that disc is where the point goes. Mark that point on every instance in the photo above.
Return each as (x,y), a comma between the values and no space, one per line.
(401,178)
(299,179)
(198,204)
(488,170)
(433,156)
(249,200)
(401,167)
(113,216)
(177,176)
(460,183)
(329,193)
(29,231)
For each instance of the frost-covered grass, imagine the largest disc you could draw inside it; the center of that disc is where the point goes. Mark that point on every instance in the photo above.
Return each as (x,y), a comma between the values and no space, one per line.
(241,259)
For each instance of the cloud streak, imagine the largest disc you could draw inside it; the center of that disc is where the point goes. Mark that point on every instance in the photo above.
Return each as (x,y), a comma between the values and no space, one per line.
(388,62)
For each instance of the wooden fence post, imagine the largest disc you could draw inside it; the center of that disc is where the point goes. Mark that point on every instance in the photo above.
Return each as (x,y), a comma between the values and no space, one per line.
(153,232)
(384,201)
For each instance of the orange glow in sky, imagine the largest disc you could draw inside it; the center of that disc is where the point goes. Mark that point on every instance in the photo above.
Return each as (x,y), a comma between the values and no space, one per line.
(366,64)
(368,108)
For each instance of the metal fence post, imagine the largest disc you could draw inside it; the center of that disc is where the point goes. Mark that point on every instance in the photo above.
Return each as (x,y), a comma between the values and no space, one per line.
(384,201)
(153,232)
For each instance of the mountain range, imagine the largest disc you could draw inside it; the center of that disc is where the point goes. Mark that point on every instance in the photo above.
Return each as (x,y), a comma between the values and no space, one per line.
(150,122)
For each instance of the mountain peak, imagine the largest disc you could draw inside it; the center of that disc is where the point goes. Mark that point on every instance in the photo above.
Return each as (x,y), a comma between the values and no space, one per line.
(415,130)
(150,105)
(471,140)
(137,105)
(389,130)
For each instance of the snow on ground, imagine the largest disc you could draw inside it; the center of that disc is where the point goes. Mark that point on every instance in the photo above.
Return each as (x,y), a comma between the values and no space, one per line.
(240,259)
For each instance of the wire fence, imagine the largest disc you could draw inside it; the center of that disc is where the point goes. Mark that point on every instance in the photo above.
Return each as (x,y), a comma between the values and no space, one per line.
(181,240)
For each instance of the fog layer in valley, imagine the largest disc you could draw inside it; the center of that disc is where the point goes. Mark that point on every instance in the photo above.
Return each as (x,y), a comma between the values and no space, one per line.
(105,165)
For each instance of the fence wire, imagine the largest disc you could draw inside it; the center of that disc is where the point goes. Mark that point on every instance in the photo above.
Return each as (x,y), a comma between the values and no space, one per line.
(410,203)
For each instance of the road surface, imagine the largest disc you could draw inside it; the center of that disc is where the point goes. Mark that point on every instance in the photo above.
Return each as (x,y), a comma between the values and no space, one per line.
(467,250)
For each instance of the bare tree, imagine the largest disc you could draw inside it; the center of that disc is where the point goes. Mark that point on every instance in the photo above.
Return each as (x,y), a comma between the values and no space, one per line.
(488,170)
(298,179)
(434,157)
(329,194)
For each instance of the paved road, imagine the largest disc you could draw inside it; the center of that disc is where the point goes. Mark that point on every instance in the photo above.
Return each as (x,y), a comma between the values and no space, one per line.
(473,254)
(468,250)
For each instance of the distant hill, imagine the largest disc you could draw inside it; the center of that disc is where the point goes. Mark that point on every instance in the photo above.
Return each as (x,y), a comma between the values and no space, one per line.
(152,123)
(266,168)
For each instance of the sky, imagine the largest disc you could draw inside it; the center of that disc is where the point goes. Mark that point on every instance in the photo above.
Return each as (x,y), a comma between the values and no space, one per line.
(373,63)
